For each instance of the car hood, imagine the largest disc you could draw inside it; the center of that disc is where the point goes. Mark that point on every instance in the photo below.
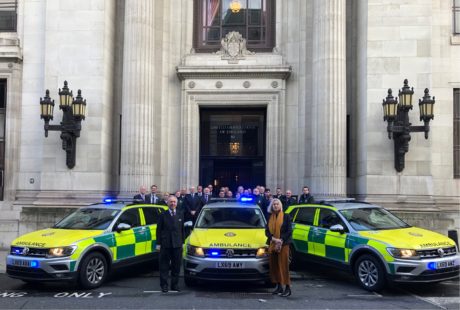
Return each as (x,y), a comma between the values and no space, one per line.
(228,238)
(409,238)
(49,238)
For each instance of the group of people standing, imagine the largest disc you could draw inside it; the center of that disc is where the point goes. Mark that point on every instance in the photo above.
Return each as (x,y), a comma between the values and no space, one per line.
(183,206)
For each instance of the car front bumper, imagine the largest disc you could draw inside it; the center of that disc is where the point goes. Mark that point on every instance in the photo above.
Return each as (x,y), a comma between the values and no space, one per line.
(40,269)
(204,268)
(426,270)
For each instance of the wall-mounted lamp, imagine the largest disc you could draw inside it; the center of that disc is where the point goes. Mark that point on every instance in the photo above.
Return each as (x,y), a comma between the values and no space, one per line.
(74,110)
(397,116)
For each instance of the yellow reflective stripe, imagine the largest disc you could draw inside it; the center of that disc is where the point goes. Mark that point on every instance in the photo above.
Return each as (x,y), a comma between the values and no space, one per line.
(335,239)
(140,248)
(382,248)
(320,248)
(311,247)
(114,252)
(81,246)
(125,239)
(316,219)
(142,217)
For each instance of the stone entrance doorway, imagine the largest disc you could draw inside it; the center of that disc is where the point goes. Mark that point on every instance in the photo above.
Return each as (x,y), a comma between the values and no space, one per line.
(232,147)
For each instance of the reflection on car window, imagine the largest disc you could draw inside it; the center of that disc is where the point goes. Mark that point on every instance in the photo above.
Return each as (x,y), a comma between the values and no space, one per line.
(372,219)
(305,216)
(230,218)
(88,218)
(151,215)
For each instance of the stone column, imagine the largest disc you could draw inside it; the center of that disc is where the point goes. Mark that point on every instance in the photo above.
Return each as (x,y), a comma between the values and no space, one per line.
(137,137)
(329,99)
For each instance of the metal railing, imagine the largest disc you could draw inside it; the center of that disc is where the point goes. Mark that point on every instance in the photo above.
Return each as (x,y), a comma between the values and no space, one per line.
(8,15)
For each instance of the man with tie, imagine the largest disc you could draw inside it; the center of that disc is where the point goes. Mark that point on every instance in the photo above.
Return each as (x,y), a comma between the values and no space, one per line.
(206,196)
(170,238)
(192,205)
(153,197)
(141,195)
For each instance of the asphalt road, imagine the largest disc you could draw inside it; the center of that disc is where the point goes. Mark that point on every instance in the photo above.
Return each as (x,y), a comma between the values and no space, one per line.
(313,287)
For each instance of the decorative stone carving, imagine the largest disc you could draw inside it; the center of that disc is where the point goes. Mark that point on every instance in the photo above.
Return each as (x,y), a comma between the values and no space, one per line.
(219,84)
(233,47)
(246,84)
(191,84)
(274,84)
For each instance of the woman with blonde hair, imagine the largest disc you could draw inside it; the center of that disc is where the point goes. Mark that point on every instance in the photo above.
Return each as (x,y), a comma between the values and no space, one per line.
(279,234)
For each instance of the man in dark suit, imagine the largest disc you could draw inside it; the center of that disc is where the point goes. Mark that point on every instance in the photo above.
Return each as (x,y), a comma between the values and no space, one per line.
(170,239)
(192,205)
(206,196)
(141,195)
(306,197)
(153,197)
(289,200)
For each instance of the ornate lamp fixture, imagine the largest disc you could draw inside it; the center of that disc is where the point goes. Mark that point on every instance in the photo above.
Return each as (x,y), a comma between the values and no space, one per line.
(235,6)
(74,112)
(397,116)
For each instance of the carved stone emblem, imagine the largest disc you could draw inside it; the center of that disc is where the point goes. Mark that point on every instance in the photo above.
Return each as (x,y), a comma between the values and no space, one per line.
(233,47)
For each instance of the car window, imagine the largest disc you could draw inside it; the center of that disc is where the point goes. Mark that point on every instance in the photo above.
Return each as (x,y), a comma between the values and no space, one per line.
(88,218)
(372,219)
(131,217)
(231,218)
(328,218)
(305,216)
(151,215)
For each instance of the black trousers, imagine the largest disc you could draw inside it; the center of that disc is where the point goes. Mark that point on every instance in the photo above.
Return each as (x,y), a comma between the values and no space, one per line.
(170,257)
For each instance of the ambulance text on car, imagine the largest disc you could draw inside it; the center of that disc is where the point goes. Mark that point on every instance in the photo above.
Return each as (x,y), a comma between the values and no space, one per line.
(371,242)
(227,243)
(86,244)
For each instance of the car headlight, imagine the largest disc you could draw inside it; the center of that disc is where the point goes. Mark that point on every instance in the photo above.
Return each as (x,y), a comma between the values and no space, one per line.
(262,252)
(62,251)
(403,253)
(195,251)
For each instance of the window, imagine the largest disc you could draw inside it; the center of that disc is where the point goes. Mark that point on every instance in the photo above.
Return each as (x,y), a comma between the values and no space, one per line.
(456,16)
(151,215)
(457,133)
(253,19)
(328,218)
(305,216)
(130,217)
(8,15)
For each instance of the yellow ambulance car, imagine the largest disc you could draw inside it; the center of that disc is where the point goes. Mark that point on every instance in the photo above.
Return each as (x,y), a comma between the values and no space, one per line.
(86,244)
(227,243)
(374,244)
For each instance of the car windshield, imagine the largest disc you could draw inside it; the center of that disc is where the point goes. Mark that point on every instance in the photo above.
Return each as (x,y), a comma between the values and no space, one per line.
(88,218)
(372,219)
(238,217)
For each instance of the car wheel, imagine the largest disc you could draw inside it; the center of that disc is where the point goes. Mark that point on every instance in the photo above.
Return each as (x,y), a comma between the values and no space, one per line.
(370,273)
(93,270)
(189,281)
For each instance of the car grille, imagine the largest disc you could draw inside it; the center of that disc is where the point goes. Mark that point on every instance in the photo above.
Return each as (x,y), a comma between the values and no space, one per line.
(31,252)
(230,253)
(434,253)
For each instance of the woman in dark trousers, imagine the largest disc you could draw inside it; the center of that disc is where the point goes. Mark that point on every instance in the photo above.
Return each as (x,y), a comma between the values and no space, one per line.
(279,234)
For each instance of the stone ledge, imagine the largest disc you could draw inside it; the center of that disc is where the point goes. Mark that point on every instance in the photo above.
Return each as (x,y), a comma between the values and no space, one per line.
(455,40)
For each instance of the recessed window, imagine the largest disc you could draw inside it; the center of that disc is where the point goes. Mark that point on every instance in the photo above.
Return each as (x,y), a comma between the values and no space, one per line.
(8,15)
(253,19)
(456,16)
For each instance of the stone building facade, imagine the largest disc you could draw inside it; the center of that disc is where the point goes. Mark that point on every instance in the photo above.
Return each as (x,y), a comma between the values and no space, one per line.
(311,98)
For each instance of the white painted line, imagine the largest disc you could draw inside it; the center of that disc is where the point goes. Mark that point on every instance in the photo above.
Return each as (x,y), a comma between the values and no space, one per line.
(365,295)
(160,292)
(377,294)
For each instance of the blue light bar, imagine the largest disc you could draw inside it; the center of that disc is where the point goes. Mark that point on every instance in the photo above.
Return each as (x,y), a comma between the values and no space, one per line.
(17,251)
(246,199)
(214,253)
(109,200)
(34,264)
(432,266)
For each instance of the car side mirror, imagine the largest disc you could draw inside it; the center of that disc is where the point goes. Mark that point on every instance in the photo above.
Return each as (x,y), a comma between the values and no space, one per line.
(188,224)
(337,228)
(122,226)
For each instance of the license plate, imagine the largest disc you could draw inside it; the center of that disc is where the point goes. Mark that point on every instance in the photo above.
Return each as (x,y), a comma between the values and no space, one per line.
(21,262)
(230,265)
(445,264)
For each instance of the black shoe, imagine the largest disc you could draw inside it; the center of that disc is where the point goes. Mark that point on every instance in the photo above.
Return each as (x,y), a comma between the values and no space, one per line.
(164,289)
(278,289)
(287,292)
(175,288)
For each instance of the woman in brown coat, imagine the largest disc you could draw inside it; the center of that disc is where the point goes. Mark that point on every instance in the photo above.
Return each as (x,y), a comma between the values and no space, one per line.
(279,234)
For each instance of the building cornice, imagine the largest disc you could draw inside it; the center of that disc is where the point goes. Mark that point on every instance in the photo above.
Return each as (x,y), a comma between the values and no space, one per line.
(234,72)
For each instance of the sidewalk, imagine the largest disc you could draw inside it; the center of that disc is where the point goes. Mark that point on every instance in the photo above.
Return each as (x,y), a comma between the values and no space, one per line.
(3,254)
